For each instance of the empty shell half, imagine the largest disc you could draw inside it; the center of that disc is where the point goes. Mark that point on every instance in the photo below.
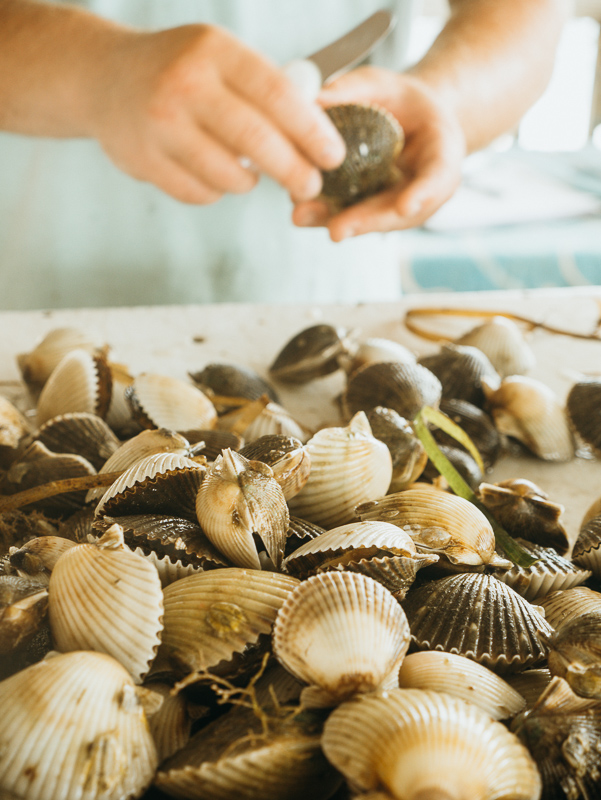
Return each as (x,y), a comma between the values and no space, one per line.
(502,340)
(160,401)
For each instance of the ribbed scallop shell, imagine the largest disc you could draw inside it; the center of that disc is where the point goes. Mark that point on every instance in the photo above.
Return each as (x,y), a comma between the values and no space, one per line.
(160,401)
(563,606)
(170,724)
(287,457)
(233,380)
(37,365)
(300,531)
(212,615)
(438,522)
(575,654)
(165,483)
(40,554)
(477,424)
(549,573)
(408,454)
(274,420)
(475,615)
(529,411)
(211,443)
(348,466)
(341,632)
(374,350)
(144,444)
(463,678)
(82,433)
(13,425)
(406,388)
(223,761)
(461,371)
(419,744)
(587,547)
(104,597)
(237,500)
(530,684)
(72,727)
(373,139)
(23,608)
(80,382)
(502,340)
(310,354)
(584,411)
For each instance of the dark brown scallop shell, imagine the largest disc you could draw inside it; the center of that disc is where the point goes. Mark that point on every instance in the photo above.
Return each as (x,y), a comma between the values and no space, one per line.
(232,380)
(299,532)
(587,547)
(461,370)
(373,139)
(477,424)
(81,433)
(475,615)
(583,407)
(406,388)
(407,452)
(311,353)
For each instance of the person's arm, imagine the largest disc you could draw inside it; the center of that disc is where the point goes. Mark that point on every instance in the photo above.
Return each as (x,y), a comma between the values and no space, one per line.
(490,62)
(184,108)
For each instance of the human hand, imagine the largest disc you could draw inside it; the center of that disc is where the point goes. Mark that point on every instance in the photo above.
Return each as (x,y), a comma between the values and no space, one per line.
(430,162)
(185,108)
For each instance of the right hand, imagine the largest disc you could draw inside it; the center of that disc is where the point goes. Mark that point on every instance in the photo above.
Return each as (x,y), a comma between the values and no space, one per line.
(183,106)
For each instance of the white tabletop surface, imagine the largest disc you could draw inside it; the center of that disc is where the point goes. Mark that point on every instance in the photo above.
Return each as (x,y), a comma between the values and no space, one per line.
(176,340)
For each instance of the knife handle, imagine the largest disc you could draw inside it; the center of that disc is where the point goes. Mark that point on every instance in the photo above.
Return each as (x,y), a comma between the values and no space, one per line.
(305,75)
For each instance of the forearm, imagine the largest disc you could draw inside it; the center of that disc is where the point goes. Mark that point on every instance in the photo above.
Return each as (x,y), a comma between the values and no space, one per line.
(55,67)
(492,61)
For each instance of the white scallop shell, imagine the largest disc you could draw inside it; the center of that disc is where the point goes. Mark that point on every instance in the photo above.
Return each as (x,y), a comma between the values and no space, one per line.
(72,727)
(348,466)
(502,340)
(463,678)
(341,632)
(420,744)
(37,365)
(74,385)
(566,604)
(274,419)
(172,403)
(103,597)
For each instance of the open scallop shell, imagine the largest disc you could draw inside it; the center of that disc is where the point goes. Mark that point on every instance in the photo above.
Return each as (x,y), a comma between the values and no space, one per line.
(583,404)
(502,340)
(342,633)
(461,371)
(37,365)
(80,382)
(212,615)
(549,573)
(171,723)
(477,424)
(72,726)
(529,411)
(23,608)
(103,597)
(311,353)
(418,744)
(475,615)
(13,425)
(232,381)
(565,605)
(530,684)
(237,500)
(408,454)
(160,401)
(575,654)
(587,547)
(39,555)
(373,139)
(82,433)
(463,678)
(439,523)
(288,458)
(348,466)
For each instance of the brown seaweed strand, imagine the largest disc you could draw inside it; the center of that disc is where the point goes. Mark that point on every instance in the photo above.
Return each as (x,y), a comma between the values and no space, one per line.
(45,490)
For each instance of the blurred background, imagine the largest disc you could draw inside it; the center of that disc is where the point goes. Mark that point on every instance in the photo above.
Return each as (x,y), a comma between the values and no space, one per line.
(528,213)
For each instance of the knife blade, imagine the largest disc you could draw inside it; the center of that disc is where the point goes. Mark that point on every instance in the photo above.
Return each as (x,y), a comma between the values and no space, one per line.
(311,73)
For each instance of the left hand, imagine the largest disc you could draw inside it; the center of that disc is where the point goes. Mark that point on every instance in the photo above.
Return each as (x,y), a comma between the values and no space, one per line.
(430,162)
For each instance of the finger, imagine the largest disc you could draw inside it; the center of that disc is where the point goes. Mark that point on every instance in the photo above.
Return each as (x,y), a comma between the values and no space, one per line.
(210,162)
(169,176)
(245,130)
(312,214)
(377,213)
(303,122)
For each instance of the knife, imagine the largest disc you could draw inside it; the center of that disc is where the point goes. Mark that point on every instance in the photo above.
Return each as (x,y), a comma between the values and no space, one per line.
(312,72)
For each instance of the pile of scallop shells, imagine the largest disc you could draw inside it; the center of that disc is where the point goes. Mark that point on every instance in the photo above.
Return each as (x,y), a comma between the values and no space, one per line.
(228,605)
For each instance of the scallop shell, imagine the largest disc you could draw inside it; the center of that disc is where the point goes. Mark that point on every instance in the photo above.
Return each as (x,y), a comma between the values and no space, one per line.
(105,598)
(526,512)
(119,416)
(529,411)
(475,615)
(237,500)
(477,424)
(274,420)
(80,382)
(233,757)
(584,411)
(587,547)
(13,425)
(418,744)
(549,573)
(37,365)
(82,433)
(23,607)
(408,454)
(212,615)
(373,139)
(311,353)
(39,555)
(287,457)
(575,654)
(463,678)
(233,381)
(461,371)
(374,350)
(300,531)
(438,522)
(211,443)
(406,388)
(160,401)
(565,605)
(165,483)
(348,466)
(72,726)
(342,633)
(530,684)
(170,725)
(144,444)
(562,732)
(503,342)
